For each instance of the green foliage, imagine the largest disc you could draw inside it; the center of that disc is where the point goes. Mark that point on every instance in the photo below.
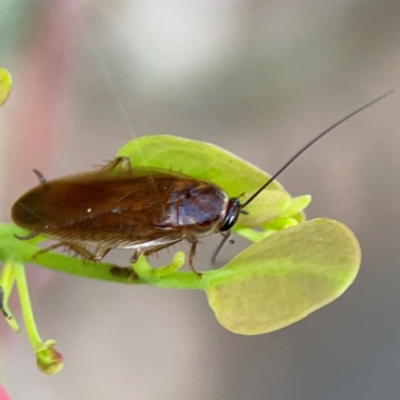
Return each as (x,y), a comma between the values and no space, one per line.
(206,161)
(284,277)
(292,269)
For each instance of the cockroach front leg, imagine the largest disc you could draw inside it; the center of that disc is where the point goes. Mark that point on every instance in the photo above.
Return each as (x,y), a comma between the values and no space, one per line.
(192,253)
(46,249)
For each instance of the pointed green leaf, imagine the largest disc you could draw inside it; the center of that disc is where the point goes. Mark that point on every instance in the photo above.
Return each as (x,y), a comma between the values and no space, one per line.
(297,205)
(285,277)
(259,214)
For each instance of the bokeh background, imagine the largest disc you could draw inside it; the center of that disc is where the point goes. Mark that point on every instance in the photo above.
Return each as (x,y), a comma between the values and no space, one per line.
(259,78)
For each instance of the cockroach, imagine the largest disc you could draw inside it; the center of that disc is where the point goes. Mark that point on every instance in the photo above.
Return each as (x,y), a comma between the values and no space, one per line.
(144,209)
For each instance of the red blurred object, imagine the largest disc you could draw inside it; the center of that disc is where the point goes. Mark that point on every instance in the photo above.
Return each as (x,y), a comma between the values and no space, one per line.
(3,394)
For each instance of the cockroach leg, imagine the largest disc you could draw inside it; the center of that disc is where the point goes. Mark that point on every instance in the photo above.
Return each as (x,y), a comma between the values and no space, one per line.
(99,254)
(28,236)
(46,249)
(161,247)
(85,254)
(135,257)
(40,176)
(80,251)
(192,253)
(155,249)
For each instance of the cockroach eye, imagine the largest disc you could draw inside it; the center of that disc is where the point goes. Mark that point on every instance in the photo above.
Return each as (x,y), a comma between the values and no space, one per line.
(232,215)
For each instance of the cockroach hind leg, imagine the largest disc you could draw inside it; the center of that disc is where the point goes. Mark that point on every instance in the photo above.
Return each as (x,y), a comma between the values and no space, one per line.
(40,176)
(78,250)
(46,249)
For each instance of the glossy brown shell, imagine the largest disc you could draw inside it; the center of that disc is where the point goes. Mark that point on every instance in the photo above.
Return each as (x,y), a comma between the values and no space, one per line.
(142,207)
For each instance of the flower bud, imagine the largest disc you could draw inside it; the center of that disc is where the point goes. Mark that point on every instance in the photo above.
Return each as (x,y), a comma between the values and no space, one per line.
(49,360)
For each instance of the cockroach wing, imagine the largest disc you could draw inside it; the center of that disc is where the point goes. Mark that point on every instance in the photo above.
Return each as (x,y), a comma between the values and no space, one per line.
(147,206)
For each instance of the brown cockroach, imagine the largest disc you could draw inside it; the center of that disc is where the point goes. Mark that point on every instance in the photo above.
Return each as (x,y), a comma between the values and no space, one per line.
(142,208)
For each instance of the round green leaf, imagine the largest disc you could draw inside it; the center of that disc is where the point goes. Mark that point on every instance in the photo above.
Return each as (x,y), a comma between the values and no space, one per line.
(206,161)
(198,159)
(285,277)
(5,85)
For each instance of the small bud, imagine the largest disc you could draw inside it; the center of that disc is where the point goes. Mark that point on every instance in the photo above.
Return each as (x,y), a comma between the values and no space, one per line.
(49,360)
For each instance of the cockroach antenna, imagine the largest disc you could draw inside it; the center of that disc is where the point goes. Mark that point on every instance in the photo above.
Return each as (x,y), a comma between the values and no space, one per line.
(291,160)
(309,144)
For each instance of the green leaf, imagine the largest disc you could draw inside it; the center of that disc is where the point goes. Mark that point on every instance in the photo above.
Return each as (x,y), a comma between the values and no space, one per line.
(277,202)
(11,246)
(5,85)
(198,159)
(206,161)
(285,277)
(293,269)
(296,206)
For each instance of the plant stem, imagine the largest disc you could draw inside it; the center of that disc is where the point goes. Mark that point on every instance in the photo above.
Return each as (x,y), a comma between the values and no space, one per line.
(138,274)
(26,307)
(7,279)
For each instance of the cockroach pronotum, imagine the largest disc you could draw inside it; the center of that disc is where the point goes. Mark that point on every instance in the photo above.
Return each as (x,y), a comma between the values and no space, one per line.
(142,208)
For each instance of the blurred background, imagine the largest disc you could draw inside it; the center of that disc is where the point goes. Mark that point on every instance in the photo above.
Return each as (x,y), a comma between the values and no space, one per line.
(259,78)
